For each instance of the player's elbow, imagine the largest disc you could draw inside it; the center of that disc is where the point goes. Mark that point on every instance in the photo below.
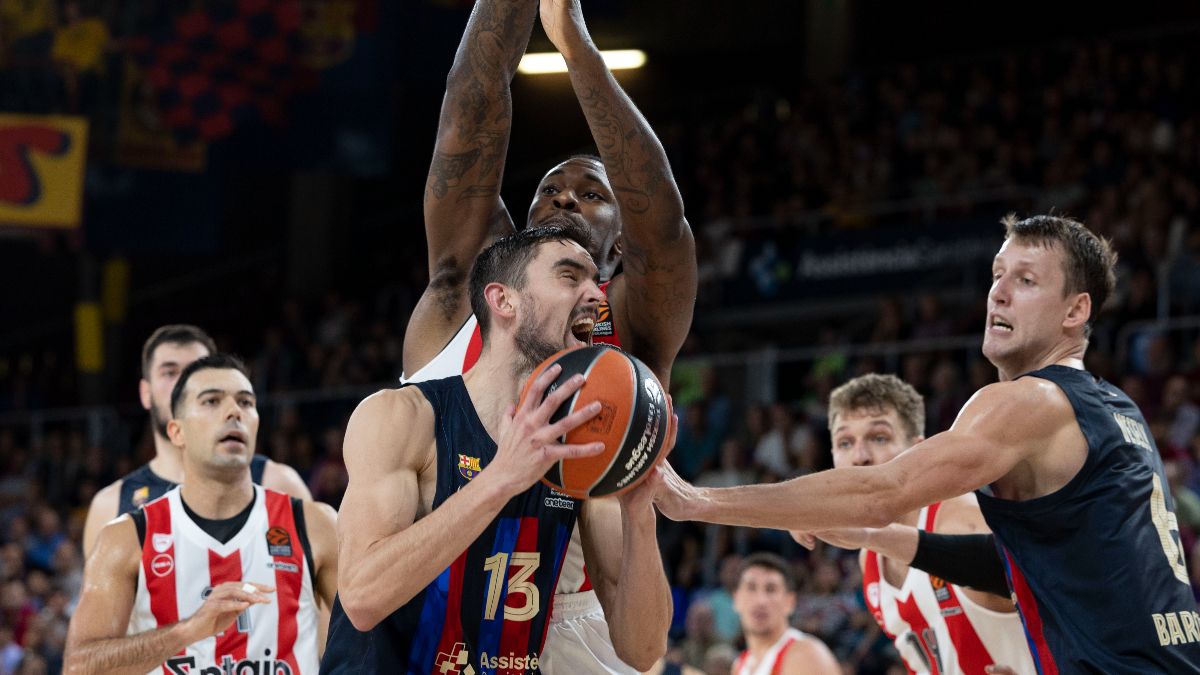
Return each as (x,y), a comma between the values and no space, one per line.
(365,604)
(642,655)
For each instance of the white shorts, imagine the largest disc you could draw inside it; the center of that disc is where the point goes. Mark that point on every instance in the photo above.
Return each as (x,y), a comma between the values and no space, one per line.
(577,641)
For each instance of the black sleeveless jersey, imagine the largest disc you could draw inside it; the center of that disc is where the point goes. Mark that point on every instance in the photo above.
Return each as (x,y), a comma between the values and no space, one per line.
(143,485)
(489,611)
(1097,568)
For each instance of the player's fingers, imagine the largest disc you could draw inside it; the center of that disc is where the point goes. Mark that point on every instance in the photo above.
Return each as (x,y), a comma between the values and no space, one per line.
(261,588)
(572,450)
(574,420)
(672,434)
(557,397)
(999,670)
(543,380)
(805,539)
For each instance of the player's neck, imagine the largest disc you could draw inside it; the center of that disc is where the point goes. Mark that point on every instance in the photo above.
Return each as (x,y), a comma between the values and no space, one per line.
(759,645)
(168,460)
(1069,354)
(219,495)
(493,386)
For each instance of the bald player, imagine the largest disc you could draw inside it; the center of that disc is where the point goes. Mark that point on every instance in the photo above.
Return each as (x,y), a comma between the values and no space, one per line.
(167,351)
(626,198)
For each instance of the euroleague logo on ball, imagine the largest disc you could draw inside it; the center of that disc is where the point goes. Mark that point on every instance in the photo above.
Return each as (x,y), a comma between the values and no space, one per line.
(639,456)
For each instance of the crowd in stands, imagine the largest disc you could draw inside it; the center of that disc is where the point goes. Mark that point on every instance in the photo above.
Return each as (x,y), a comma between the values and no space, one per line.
(1108,132)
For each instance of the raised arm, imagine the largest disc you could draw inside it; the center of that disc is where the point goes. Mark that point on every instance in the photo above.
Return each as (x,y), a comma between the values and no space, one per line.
(391,545)
(96,639)
(653,298)
(983,446)
(462,192)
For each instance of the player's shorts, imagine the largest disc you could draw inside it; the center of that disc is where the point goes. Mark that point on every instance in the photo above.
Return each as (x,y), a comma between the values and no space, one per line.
(578,641)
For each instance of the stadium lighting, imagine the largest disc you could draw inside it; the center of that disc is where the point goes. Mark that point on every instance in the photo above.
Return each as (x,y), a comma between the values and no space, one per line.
(541,63)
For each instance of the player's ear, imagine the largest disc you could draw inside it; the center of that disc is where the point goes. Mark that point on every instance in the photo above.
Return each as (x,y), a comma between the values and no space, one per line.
(1079,312)
(144,393)
(501,300)
(175,433)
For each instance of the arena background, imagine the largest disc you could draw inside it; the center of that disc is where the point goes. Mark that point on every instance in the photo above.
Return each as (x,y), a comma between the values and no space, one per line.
(844,167)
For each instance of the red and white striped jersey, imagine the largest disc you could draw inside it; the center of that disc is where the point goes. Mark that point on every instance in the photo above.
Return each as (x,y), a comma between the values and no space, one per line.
(937,629)
(181,563)
(460,354)
(772,661)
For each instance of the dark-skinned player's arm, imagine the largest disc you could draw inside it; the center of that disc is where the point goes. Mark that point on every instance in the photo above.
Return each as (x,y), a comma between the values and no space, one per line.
(96,638)
(982,446)
(462,204)
(654,296)
(389,550)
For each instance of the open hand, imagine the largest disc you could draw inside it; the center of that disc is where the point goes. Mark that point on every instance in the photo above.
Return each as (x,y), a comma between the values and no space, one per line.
(529,444)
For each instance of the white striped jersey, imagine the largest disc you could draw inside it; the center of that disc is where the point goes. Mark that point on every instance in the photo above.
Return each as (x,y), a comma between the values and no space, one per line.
(181,563)
(772,660)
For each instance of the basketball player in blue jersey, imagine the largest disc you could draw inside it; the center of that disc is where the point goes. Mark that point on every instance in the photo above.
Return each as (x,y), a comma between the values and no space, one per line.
(626,198)
(165,354)
(451,548)
(1067,475)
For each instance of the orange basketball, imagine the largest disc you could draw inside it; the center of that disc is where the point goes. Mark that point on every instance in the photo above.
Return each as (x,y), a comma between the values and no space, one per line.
(633,423)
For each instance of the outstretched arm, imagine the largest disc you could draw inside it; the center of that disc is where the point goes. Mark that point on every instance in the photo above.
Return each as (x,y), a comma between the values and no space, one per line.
(654,297)
(462,192)
(983,446)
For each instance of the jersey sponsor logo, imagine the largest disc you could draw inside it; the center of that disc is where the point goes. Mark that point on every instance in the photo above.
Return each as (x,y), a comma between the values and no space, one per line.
(283,566)
(140,496)
(162,565)
(509,662)
(1133,431)
(186,665)
(454,662)
(468,466)
(161,542)
(1176,628)
(279,542)
(559,500)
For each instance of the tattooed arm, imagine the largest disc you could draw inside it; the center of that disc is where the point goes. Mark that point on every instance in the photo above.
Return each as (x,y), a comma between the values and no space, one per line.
(462,193)
(654,297)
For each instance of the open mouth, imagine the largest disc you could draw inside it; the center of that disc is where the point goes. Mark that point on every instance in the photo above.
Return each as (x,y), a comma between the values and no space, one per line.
(234,437)
(1001,324)
(581,329)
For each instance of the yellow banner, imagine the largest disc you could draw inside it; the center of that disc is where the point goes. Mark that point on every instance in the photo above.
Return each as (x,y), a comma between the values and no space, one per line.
(42,159)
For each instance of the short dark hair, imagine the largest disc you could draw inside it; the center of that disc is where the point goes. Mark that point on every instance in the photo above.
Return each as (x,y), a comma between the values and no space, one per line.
(590,156)
(176,334)
(210,362)
(771,562)
(505,262)
(1089,260)
(875,392)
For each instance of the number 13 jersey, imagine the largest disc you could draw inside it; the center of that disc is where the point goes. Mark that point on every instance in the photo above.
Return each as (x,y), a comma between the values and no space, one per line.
(488,612)
(1097,567)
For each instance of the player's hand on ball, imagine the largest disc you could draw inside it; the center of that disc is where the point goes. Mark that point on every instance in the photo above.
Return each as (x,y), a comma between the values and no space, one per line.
(563,22)
(673,495)
(529,444)
(643,494)
(222,606)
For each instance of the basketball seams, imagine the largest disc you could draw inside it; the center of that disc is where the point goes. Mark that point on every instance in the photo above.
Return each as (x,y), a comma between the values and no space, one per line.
(629,365)
(570,403)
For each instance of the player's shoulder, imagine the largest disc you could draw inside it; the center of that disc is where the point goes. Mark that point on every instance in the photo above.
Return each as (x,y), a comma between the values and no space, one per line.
(117,543)
(1033,401)
(107,498)
(809,655)
(390,427)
